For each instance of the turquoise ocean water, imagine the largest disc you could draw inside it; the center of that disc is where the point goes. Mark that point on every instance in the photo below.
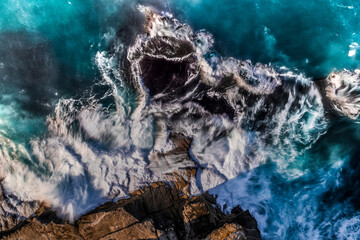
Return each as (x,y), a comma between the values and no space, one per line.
(49,51)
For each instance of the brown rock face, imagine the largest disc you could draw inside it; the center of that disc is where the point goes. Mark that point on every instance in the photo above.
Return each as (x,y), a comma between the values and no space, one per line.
(160,211)
(143,230)
(43,225)
(230,231)
(194,210)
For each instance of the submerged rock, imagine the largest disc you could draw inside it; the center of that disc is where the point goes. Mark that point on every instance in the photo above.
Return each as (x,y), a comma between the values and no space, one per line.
(160,211)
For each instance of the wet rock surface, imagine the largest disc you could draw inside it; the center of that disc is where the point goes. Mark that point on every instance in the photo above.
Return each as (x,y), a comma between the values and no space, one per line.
(13,211)
(160,211)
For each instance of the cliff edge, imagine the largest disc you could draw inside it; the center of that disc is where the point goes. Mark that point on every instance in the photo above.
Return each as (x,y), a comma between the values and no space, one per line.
(160,211)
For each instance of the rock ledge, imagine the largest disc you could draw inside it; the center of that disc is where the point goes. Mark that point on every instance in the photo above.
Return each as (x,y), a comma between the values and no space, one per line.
(160,211)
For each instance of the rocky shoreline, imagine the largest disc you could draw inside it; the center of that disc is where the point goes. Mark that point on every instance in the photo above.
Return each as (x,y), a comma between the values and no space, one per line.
(160,211)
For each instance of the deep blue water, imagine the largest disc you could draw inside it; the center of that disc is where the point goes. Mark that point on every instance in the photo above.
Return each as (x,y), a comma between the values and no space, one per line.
(48,52)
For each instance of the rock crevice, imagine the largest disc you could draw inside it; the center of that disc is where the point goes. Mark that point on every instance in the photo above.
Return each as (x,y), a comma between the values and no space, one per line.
(160,211)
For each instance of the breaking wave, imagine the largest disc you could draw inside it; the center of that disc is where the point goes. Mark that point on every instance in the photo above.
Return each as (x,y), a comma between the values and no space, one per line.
(254,130)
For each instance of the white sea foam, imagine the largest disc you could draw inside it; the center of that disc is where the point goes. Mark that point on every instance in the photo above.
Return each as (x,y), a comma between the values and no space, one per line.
(261,191)
(92,153)
(349,229)
(299,121)
(78,173)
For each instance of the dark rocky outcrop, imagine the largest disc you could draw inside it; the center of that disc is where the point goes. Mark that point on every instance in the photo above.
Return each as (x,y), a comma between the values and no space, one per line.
(160,75)
(160,211)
